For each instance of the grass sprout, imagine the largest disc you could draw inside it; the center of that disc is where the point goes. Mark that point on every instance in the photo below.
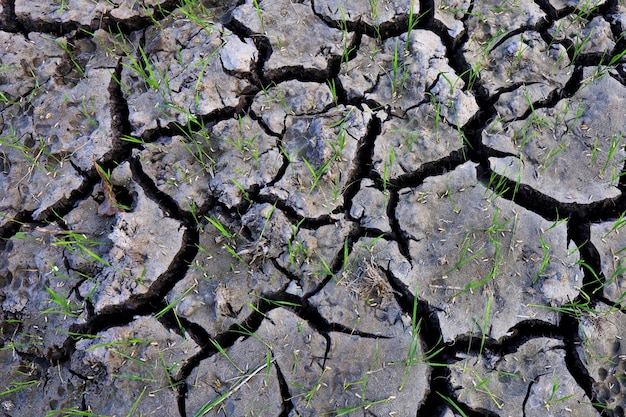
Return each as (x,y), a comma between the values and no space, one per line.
(241,381)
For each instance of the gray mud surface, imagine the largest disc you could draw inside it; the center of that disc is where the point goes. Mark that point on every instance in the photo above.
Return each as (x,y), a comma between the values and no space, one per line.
(314,207)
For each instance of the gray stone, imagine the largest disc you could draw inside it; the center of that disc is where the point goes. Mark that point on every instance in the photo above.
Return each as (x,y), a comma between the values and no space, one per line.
(408,142)
(238,56)
(180,167)
(578,141)
(138,360)
(130,268)
(520,59)
(244,157)
(532,381)
(369,206)
(450,13)
(182,81)
(293,98)
(470,247)
(292,46)
(322,154)
(406,68)
(370,12)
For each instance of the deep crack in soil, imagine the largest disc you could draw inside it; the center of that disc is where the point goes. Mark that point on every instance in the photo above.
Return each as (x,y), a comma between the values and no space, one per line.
(314,207)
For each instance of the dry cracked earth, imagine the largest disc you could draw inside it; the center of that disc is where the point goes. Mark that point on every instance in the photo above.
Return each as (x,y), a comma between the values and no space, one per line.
(315,207)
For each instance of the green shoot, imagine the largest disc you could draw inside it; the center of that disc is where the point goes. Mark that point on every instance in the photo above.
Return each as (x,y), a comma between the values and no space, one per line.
(277,303)
(483,328)
(73,412)
(221,350)
(174,303)
(241,381)
(453,404)
(15,386)
(363,406)
(546,258)
(77,243)
(62,305)
(259,14)
(311,393)
(133,408)
(467,254)
(616,141)
(414,344)
(268,216)
(553,400)
(220,227)
(411,25)
(482,387)
(619,223)
(63,44)
(318,173)
(578,45)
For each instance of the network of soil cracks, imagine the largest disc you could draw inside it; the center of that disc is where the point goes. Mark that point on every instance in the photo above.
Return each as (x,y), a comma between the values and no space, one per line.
(312,207)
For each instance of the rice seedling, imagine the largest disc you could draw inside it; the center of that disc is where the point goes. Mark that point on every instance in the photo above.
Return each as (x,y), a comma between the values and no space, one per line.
(549,158)
(123,343)
(81,245)
(578,45)
(614,146)
(317,173)
(259,13)
(348,49)
(15,386)
(145,371)
(585,9)
(455,407)
(67,48)
(497,187)
(545,247)
(242,330)
(37,156)
(412,23)
(467,253)
(332,86)
(619,223)
(235,255)
(387,166)
(198,143)
(135,405)
(484,327)
(582,306)
(554,399)
(197,12)
(248,148)
(363,406)
(308,396)
(414,344)
(72,412)
(215,222)
(297,251)
(61,304)
(239,382)
(604,68)
(399,72)
(175,302)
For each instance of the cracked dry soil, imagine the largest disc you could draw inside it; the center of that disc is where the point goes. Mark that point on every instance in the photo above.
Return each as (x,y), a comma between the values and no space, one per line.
(315,207)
